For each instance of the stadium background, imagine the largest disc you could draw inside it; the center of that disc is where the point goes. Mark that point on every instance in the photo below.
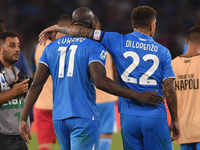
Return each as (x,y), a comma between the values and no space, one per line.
(28,18)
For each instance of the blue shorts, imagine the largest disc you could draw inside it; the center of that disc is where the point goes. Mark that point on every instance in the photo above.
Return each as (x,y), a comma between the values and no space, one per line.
(107,117)
(77,133)
(145,133)
(190,146)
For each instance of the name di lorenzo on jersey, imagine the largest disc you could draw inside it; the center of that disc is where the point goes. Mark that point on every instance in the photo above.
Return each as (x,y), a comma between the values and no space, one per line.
(141,45)
(185,82)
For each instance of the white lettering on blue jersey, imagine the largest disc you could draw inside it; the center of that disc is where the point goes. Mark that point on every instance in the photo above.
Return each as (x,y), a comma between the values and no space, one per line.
(70,40)
(141,45)
(70,70)
(143,80)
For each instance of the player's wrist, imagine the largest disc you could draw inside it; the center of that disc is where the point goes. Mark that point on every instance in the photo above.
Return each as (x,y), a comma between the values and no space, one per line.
(13,92)
(136,95)
(174,119)
(57,28)
(23,119)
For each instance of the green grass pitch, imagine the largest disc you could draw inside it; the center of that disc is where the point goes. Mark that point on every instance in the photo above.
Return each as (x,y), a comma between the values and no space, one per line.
(116,145)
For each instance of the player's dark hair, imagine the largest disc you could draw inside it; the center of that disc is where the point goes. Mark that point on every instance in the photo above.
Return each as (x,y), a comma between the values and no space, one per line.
(64,17)
(142,16)
(2,26)
(194,32)
(64,20)
(6,34)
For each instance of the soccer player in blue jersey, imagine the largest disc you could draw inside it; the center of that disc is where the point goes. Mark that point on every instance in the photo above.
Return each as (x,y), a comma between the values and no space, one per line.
(76,64)
(142,65)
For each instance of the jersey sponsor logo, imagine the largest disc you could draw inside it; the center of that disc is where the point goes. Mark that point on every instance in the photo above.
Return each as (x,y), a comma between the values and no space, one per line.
(187,84)
(186,61)
(103,55)
(141,45)
(2,79)
(97,35)
(5,88)
(13,103)
(4,85)
(187,81)
(141,39)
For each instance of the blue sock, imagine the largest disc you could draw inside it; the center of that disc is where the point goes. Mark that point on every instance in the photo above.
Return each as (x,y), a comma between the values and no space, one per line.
(105,143)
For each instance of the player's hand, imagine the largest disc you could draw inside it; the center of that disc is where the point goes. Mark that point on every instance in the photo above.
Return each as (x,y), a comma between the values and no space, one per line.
(150,97)
(174,127)
(24,130)
(46,34)
(20,88)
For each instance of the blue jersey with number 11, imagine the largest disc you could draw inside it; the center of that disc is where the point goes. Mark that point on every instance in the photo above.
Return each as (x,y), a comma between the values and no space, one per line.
(68,60)
(142,65)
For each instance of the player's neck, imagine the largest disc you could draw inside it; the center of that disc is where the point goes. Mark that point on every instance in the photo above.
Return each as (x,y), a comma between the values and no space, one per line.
(143,31)
(192,52)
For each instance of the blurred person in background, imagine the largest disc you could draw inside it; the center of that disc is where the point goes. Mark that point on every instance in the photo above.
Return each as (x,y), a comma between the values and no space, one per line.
(2,26)
(142,64)
(12,90)
(106,104)
(187,70)
(44,104)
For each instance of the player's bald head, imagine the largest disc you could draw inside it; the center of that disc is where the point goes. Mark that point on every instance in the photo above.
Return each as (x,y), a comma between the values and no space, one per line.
(83,16)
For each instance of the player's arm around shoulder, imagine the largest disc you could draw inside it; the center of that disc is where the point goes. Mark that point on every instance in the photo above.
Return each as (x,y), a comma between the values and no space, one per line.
(111,40)
(98,74)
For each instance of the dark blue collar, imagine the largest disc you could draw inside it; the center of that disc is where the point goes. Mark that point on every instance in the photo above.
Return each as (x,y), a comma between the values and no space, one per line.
(143,36)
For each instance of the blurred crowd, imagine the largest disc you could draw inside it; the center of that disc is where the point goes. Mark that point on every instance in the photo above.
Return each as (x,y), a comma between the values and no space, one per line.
(27,18)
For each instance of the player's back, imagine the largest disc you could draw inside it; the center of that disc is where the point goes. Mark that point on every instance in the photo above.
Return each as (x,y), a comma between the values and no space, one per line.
(142,65)
(187,71)
(68,59)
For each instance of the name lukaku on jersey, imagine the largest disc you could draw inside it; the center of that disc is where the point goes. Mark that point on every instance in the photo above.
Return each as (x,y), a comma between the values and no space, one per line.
(140,45)
(70,40)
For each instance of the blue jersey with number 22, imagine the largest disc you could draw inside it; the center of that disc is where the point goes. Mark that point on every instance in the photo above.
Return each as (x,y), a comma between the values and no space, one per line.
(142,65)
(68,60)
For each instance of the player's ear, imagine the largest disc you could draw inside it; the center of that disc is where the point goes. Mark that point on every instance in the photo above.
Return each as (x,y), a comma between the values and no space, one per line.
(186,41)
(1,50)
(93,25)
(151,27)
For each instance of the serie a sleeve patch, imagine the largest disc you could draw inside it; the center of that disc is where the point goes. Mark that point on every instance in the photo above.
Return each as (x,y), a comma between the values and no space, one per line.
(103,55)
